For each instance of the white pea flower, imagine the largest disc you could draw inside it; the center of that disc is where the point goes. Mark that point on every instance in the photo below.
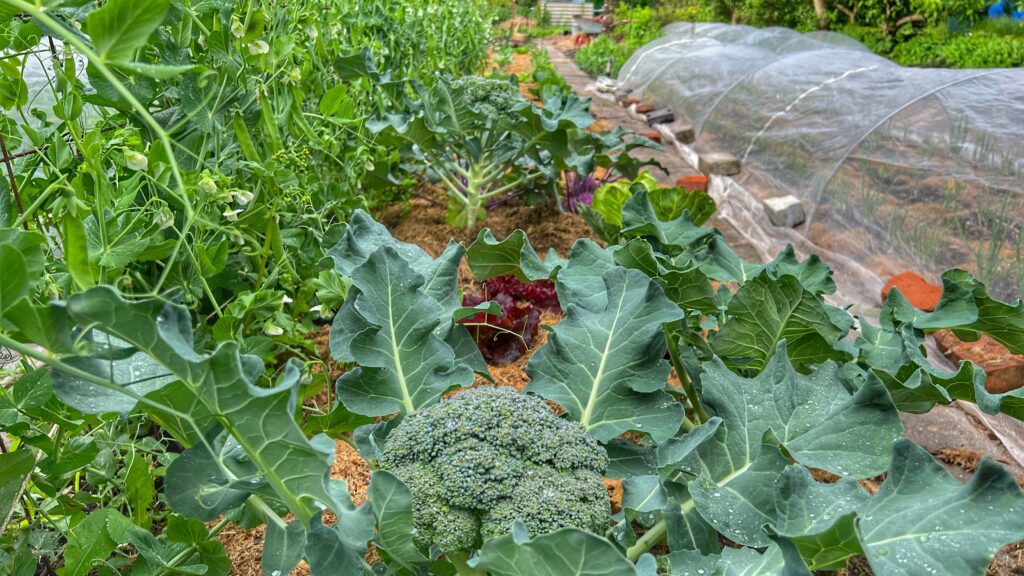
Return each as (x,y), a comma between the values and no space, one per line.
(207,185)
(272,330)
(232,215)
(316,308)
(312,32)
(237,30)
(259,47)
(136,161)
(286,300)
(243,197)
(164,219)
(202,40)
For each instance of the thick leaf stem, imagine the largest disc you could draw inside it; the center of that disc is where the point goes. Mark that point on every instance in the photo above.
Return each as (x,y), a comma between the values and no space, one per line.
(460,561)
(649,540)
(684,379)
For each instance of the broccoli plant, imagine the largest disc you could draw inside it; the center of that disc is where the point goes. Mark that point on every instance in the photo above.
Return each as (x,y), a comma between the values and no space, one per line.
(481,140)
(482,459)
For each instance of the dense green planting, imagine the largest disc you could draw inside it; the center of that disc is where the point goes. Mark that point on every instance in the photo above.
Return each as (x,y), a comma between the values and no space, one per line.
(187,200)
(772,385)
(911,32)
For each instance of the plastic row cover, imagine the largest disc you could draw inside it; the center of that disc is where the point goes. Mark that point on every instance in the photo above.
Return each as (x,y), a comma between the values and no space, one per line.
(899,168)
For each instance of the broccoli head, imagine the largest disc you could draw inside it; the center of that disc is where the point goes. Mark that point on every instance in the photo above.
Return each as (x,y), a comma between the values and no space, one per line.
(480,460)
(488,96)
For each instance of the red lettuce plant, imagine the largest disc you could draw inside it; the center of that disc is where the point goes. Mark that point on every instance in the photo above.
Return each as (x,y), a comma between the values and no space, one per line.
(504,339)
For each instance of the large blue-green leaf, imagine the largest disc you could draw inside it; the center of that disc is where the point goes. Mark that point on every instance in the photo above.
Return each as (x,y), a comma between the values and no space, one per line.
(392,506)
(565,552)
(259,419)
(766,311)
(819,518)
(606,366)
(364,236)
(513,256)
(390,325)
(813,416)
(777,560)
(922,520)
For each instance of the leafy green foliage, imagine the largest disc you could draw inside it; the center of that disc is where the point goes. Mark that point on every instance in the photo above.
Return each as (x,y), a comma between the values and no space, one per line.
(605,214)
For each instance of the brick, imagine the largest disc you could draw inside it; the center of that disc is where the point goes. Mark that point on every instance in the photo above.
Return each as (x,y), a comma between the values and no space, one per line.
(656,136)
(644,108)
(1004,371)
(698,182)
(785,211)
(630,102)
(918,291)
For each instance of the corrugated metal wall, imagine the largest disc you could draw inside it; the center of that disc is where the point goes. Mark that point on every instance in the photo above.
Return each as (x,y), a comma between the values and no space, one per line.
(563,12)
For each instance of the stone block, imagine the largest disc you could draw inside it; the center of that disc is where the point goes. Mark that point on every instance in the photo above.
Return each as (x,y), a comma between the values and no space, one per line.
(605,84)
(719,164)
(684,134)
(785,212)
(660,116)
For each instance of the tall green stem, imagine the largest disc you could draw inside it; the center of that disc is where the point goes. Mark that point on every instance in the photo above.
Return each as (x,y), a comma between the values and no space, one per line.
(649,540)
(684,379)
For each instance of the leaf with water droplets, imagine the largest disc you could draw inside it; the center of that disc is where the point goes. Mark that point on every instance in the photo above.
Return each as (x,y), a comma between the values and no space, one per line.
(923,521)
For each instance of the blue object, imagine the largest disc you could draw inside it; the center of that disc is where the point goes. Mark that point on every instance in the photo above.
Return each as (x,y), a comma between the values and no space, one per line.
(1002,8)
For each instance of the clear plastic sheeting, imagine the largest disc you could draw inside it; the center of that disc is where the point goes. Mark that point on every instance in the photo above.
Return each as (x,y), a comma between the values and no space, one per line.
(898,168)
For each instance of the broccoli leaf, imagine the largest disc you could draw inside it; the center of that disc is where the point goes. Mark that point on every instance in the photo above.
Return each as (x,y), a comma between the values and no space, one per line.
(606,366)
(923,520)
(225,382)
(392,506)
(766,311)
(564,552)
(364,236)
(488,258)
(819,518)
(389,326)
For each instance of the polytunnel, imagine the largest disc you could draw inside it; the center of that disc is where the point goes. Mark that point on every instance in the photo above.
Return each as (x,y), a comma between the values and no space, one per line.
(898,168)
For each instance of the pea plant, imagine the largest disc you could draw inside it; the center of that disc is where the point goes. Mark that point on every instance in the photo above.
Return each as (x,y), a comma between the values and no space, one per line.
(778,411)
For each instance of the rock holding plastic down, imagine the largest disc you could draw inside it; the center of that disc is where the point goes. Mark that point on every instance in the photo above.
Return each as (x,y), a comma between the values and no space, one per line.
(683,133)
(661,116)
(605,84)
(785,212)
(719,164)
